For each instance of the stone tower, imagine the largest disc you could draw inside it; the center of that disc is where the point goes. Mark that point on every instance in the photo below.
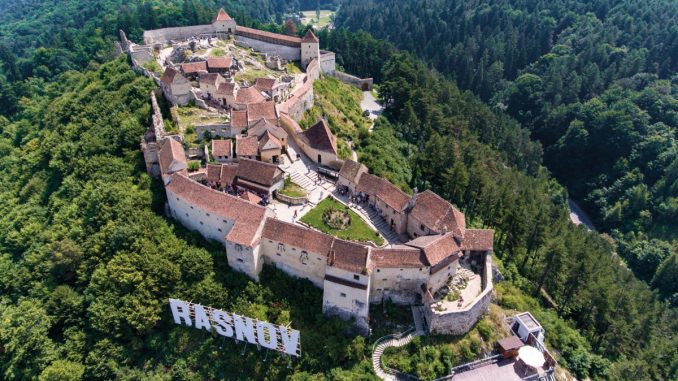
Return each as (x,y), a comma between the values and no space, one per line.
(223,23)
(310,48)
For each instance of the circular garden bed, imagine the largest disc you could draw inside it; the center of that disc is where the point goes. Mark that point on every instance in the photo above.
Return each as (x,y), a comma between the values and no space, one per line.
(336,219)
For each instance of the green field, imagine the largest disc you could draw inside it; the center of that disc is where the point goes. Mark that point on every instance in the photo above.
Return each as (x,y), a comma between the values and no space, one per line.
(358,230)
(310,18)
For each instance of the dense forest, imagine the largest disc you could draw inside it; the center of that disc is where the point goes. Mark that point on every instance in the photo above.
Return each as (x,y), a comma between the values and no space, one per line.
(595,82)
(87,261)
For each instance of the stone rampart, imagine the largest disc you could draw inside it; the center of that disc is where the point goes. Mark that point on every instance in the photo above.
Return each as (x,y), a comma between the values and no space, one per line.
(460,322)
(287,52)
(327,62)
(361,83)
(161,36)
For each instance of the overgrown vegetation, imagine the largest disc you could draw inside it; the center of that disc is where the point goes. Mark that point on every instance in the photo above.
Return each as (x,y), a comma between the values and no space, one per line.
(339,103)
(594,81)
(87,263)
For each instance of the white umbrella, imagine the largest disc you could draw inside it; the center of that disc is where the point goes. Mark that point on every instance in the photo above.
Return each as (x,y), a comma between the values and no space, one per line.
(531,356)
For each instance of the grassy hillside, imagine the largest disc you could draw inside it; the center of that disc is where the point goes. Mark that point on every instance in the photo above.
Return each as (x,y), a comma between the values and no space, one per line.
(340,104)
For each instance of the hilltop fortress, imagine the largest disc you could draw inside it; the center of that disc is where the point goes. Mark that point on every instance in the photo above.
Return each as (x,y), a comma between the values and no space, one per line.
(430,260)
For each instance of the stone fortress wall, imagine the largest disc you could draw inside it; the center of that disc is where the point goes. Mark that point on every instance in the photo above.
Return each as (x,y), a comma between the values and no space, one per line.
(460,322)
(162,36)
(287,52)
(348,289)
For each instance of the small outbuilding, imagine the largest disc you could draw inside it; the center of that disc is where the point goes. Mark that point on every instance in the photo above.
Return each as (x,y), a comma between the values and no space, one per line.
(509,346)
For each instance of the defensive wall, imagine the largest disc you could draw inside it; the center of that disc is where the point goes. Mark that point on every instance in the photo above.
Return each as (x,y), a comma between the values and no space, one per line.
(161,36)
(287,52)
(152,139)
(361,83)
(327,62)
(461,321)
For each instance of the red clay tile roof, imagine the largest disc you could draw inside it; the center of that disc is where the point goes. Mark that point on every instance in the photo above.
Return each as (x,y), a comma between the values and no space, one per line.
(194,67)
(390,194)
(168,76)
(349,256)
(248,146)
(437,214)
(265,84)
(228,173)
(398,257)
(300,237)
(211,78)
(257,111)
(258,171)
(170,152)
(221,148)
(247,217)
(268,36)
(222,16)
(248,95)
(219,62)
(478,240)
(213,173)
(268,141)
(262,126)
(320,137)
(226,88)
(436,247)
(251,197)
(351,170)
(239,119)
(309,37)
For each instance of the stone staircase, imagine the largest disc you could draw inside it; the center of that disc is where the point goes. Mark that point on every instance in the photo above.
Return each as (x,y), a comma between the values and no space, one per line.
(303,180)
(378,221)
(399,340)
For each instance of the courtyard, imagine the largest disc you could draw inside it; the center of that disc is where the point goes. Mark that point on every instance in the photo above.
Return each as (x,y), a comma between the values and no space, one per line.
(332,217)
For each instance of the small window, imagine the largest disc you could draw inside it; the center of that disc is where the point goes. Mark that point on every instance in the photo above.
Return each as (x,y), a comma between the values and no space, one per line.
(378,270)
(269,241)
(207,214)
(225,221)
(278,254)
(186,214)
(238,247)
(356,277)
(379,289)
(191,207)
(294,249)
(177,198)
(342,295)
(240,260)
(384,279)
(219,229)
(281,247)
(401,269)
(320,259)
(201,223)
(422,227)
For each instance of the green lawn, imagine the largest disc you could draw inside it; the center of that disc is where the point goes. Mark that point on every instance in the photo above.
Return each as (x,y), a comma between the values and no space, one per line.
(292,190)
(357,231)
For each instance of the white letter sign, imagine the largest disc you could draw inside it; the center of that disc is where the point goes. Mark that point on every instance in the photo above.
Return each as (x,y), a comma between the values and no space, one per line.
(240,328)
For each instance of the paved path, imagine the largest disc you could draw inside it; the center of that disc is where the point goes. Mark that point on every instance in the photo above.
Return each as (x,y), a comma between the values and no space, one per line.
(369,103)
(398,340)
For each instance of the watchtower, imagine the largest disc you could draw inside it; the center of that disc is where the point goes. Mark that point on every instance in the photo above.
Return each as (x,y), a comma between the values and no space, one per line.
(310,48)
(223,23)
